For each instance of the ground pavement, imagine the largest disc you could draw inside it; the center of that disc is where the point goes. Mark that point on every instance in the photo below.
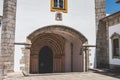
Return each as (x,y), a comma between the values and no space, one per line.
(91,75)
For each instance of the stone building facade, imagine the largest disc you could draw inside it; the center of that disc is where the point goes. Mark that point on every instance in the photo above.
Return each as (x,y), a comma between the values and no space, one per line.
(103,42)
(113,26)
(66,41)
(67,45)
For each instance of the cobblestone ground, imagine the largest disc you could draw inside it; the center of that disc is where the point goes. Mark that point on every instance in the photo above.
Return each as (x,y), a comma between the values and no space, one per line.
(65,76)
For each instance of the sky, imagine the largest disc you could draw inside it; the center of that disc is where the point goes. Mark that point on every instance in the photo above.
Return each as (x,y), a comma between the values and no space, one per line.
(112,7)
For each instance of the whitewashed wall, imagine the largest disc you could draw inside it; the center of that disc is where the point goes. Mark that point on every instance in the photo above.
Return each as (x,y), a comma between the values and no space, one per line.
(34,14)
(112,29)
(1,10)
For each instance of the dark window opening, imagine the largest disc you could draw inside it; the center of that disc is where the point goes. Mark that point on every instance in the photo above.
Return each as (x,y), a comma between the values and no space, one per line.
(59,4)
(116,47)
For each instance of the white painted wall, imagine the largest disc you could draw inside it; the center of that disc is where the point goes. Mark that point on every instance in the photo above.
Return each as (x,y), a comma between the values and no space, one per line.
(112,29)
(1,7)
(1,10)
(34,14)
(77,57)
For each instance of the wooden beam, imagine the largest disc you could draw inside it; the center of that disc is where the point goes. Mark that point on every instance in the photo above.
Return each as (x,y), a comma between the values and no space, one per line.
(89,45)
(16,43)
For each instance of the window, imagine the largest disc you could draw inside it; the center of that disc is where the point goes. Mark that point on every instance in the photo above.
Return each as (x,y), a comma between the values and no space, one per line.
(115,38)
(59,5)
(115,47)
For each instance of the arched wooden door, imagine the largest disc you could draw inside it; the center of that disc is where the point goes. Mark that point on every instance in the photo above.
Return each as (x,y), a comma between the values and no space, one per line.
(46,60)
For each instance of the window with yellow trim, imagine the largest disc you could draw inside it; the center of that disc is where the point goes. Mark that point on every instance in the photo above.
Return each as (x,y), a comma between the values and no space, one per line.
(59,5)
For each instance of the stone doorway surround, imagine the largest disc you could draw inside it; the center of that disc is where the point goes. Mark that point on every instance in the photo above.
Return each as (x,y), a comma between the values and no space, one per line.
(61,39)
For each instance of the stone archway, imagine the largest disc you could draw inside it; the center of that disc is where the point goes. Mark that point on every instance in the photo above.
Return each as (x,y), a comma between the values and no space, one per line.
(53,41)
(66,45)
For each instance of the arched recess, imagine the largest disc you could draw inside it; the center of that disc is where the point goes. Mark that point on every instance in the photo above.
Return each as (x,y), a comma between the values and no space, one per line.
(65,43)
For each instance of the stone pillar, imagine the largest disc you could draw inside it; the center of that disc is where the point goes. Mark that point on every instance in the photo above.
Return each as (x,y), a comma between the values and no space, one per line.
(26,60)
(8,35)
(102,57)
(86,58)
(102,50)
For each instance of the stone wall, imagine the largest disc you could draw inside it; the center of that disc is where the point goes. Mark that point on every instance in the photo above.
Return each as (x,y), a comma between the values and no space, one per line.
(102,42)
(112,23)
(115,67)
(8,35)
(112,19)
(102,55)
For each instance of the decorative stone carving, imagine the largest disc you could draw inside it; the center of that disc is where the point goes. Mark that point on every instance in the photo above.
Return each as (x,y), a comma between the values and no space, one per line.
(58,16)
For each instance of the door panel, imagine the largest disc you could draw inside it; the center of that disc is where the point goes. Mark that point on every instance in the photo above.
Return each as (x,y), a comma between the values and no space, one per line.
(45,60)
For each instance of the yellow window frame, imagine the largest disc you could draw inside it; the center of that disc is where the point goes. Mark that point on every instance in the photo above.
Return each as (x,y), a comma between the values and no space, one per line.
(65,10)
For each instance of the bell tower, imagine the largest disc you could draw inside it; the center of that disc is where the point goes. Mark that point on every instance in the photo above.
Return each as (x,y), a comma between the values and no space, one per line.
(8,36)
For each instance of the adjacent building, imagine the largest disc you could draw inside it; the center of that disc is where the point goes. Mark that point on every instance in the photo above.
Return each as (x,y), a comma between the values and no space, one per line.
(113,26)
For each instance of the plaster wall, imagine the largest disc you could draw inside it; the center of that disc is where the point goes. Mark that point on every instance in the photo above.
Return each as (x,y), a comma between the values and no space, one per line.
(77,57)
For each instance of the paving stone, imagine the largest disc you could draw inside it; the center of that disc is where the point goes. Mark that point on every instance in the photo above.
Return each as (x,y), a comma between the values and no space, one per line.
(62,76)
